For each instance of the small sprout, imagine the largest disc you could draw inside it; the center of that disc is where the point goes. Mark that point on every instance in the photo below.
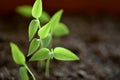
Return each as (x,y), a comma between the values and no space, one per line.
(37,9)
(23,73)
(40,48)
(17,55)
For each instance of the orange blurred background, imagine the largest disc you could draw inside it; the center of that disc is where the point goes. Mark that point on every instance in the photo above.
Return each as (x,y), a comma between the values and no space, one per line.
(69,6)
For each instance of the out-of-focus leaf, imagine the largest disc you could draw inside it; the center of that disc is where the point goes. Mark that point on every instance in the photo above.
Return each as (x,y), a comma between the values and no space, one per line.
(23,73)
(46,41)
(60,30)
(45,17)
(25,10)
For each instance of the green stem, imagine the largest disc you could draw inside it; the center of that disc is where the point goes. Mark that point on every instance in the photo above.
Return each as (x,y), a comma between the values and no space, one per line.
(30,72)
(41,42)
(47,68)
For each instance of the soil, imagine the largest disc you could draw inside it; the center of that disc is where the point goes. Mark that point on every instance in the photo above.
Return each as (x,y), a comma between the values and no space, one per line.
(94,38)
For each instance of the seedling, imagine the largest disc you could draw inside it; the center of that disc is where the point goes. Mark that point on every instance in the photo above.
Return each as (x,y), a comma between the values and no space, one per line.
(38,49)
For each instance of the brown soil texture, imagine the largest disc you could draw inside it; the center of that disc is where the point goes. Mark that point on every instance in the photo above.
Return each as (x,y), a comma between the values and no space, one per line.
(94,38)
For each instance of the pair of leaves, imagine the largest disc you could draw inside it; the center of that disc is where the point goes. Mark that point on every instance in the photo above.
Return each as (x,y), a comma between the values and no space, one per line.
(58,53)
(17,55)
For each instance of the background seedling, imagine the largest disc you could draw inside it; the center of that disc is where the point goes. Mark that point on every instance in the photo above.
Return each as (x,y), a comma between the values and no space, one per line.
(26,11)
(38,48)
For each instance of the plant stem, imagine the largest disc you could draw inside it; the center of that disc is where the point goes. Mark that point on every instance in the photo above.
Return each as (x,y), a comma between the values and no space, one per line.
(30,72)
(41,42)
(47,68)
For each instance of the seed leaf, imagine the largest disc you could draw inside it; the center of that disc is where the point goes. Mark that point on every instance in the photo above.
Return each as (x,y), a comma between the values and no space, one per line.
(41,54)
(34,45)
(17,55)
(43,32)
(37,9)
(33,27)
(60,30)
(64,54)
(23,73)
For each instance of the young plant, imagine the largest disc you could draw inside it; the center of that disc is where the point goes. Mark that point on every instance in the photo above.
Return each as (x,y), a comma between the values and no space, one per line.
(38,48)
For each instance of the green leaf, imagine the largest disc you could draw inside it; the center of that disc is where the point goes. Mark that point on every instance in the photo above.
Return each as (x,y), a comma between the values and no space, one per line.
(60,30)
(43,32)
(23,73)
(17,55)
(37,9)
(41,54)
(33,27)
(64,54)
(45,17)
(34,45)
(25,10)
(56,18)
(46,41)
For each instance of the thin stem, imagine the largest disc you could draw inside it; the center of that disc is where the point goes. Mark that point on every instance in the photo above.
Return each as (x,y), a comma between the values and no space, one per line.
(41,43)
(47,68)
(30,72)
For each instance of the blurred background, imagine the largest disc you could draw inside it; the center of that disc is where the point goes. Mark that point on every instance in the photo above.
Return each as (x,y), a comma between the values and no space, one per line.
(70,6)
(94,36)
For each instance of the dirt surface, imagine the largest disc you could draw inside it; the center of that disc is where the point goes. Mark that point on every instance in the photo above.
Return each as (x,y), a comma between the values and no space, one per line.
(95,39)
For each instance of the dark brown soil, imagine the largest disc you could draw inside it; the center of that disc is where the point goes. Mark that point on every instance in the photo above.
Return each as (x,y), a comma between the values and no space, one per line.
(95,39)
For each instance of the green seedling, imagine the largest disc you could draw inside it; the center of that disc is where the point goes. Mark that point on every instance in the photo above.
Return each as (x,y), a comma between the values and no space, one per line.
(39,49)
